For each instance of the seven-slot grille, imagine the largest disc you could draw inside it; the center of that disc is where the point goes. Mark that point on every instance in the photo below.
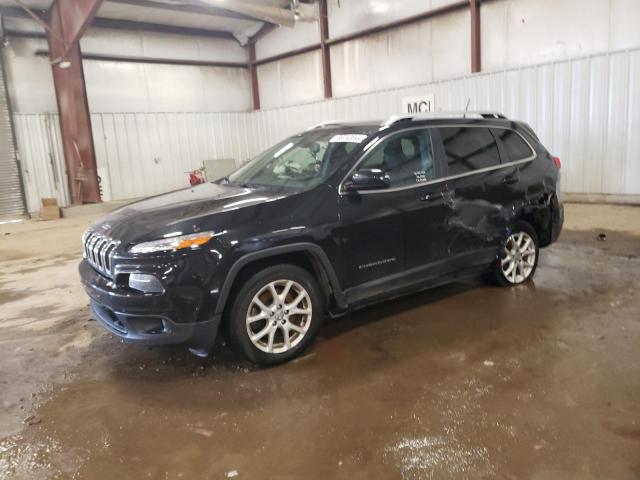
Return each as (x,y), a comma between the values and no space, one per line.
(99,251)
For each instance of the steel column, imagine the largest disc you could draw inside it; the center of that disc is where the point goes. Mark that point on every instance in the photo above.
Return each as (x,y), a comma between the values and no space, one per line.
(253,72)
(324,49)
(476,64)
(68,19)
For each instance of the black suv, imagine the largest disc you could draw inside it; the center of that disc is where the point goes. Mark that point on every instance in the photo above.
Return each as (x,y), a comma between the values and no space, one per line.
(337,217)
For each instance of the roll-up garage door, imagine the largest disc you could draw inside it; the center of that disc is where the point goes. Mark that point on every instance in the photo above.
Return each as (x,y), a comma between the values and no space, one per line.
(11,196)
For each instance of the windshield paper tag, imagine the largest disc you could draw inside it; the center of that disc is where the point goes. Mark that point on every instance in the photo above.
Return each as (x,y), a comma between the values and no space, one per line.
(352,138)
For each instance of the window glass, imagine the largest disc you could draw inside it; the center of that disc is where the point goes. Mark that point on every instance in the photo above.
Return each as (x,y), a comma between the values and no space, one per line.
(407,158)
(514,145)
(468,149)
(302,161)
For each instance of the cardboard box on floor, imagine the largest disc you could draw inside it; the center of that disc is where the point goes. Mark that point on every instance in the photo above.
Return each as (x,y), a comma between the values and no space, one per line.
(50,209)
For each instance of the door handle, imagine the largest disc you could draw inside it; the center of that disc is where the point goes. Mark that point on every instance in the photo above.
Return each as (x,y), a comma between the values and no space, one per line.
(431,197)
(513,178)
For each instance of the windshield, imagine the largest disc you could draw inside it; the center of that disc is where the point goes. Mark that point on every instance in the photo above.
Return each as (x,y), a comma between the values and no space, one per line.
(301,161)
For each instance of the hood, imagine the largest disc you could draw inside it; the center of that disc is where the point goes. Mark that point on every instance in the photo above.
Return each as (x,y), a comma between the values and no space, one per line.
(184,210)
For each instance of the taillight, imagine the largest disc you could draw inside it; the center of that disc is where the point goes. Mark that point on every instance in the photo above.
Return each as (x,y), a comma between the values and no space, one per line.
(556,160)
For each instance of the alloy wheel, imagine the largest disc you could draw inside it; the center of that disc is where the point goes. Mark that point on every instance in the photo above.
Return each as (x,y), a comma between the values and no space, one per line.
(519,257)
(279,316)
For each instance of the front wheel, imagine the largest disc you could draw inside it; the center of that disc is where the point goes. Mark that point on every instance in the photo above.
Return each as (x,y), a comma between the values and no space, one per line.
(275,315)
(518,258)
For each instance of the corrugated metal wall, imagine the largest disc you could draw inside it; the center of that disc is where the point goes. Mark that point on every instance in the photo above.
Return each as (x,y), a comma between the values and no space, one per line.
(42,160)
(11,198)
(586,110)
(141,154)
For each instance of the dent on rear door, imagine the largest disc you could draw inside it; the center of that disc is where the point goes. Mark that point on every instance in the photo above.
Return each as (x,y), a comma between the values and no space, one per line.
(479,217)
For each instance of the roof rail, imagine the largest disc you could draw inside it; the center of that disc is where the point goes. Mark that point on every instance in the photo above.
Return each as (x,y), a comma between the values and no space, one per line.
(324,124)
(435,115)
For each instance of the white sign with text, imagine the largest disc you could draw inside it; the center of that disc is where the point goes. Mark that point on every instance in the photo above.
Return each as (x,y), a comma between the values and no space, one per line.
(418,104)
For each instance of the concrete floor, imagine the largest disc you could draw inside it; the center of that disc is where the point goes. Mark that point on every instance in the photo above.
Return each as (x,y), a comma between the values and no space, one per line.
(465,381)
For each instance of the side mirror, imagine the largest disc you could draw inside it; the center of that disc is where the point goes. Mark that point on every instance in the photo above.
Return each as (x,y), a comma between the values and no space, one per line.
(368,179)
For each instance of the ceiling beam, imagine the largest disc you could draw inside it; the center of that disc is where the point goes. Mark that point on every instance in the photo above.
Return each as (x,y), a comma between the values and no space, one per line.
(264,30)
(152,60)
(130,25)
(116,24)
(290,53)
(210,10)
(38,18)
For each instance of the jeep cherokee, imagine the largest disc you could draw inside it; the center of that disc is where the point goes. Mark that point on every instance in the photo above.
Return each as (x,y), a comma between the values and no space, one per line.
(335,218)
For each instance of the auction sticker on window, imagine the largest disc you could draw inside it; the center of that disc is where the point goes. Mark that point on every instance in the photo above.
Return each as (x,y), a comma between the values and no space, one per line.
(350,138)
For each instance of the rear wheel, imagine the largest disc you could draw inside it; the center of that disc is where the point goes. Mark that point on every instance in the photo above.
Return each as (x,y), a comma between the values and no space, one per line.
(275,315)
(518,258)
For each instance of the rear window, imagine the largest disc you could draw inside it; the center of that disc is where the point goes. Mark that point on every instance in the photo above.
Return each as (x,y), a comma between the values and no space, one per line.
(469,148)
(514,146)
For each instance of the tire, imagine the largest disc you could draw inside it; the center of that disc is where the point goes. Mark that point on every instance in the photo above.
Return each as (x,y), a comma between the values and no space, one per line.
(517,259)
(286,328)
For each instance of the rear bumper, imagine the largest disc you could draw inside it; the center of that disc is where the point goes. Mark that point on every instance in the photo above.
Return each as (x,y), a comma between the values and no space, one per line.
(557,219)
(144,319)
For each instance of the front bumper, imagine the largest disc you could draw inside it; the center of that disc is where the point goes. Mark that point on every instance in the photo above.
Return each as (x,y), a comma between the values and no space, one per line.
(147,319)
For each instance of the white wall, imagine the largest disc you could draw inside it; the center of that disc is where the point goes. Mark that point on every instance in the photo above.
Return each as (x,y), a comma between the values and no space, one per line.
(133,87)
(554,64)
(139,87)
(291,81)
(418,53)
(350,16)
(161,45)
(525,32)
(586,110)
(29,78)
(514,33)
(285,39)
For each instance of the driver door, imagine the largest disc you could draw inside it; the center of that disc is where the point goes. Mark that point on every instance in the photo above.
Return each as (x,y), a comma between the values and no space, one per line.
(388,236)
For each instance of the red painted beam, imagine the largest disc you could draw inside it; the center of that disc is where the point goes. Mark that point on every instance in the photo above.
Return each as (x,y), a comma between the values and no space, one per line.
(76,17)
(324,49)
(476,59)
(68,19)
(253,72)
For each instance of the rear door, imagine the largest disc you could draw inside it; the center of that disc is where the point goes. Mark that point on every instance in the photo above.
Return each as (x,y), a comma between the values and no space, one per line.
(475,180)
(516,155)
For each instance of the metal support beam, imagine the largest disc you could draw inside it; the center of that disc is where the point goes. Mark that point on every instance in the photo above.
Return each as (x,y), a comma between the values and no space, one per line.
(253,71)
(126,25)
(69,19)
(38,19)
(324,49)
(476,63)
(264,30)
(222,10)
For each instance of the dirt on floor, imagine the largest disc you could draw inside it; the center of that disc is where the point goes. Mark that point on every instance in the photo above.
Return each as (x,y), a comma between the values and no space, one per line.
(540,381)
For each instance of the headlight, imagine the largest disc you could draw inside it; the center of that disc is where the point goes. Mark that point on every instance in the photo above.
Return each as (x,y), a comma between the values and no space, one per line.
(192,241)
